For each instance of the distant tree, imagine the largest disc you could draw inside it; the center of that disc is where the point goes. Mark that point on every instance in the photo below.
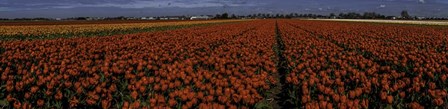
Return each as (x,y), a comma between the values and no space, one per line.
(382,16)
(233,16)
(117,18)
(291,15)
(82,18)
(369,15)
(225,16)
(341,15)
(353,15)
(373,15)
(332,15)
(405,14)
(314,16)
(21,18)
(218,16)
(282,16)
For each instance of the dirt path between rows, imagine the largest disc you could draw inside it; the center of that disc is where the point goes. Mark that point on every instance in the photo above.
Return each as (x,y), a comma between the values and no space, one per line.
(277,96)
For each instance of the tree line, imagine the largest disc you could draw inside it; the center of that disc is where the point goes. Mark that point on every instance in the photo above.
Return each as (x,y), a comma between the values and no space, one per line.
(404,15)
(350,15)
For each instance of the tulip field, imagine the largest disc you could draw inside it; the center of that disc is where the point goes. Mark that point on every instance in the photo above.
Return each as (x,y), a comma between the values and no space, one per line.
(68,29)
(246,64)
(363,65)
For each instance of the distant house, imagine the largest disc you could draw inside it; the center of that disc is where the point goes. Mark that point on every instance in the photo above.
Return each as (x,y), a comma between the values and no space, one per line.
(391,17)
(131,18)
(202,17)
(164,18)
(173,18)
(148,18)
(420,18)
(98,18)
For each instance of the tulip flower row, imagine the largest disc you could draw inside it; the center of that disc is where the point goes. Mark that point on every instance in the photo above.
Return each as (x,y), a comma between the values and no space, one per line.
(84,29)
(203,67)
(235,65)
(399,66)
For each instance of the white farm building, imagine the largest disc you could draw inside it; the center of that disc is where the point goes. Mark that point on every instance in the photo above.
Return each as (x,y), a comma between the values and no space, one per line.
(200,17)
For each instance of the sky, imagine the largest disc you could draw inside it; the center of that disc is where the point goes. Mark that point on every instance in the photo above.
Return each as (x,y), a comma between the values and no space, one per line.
(139,8)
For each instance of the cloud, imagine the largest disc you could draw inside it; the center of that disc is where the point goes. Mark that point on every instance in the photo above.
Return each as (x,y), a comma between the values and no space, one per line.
(5,9)
(421,1)
(46,4)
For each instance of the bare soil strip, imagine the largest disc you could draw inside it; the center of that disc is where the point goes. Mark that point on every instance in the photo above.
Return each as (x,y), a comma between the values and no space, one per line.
(278,95)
